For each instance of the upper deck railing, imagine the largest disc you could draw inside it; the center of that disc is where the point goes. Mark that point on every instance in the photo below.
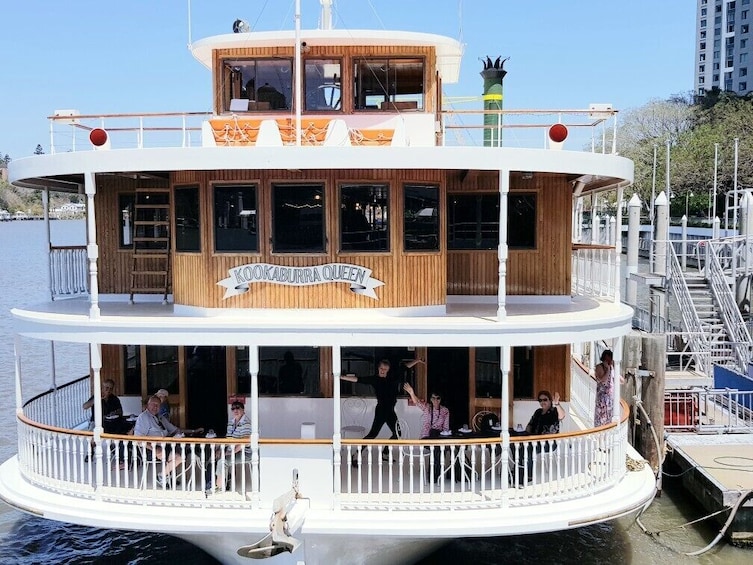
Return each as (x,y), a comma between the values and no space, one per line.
(587,129)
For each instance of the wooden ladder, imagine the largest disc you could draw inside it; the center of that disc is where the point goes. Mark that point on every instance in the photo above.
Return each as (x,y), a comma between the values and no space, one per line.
(150,270)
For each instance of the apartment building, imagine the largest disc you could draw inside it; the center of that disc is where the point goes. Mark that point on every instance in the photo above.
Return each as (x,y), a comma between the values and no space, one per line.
(723,52)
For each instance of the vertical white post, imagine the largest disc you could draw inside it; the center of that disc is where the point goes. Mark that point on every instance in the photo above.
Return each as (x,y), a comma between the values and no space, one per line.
(17,372)
(735,202)
(95,354)
(716,166)
(337,423)
(46,212)
(504,415)
(617,357)
(253,370)
(92,249)
(633,243)
(684,232)
(662,233)
(502,250)
(297,73)
(651,211)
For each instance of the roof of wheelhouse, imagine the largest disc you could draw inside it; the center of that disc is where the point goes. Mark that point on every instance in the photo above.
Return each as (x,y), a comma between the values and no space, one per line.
(449,51)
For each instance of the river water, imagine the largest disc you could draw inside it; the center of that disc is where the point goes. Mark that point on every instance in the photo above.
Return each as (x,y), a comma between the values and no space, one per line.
(29,540)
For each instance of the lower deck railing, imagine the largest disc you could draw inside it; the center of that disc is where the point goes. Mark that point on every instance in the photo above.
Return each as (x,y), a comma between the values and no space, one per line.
(367,474)
(708,410)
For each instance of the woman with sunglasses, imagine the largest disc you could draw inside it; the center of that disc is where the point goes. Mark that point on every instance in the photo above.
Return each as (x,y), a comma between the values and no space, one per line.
(545,420)
(436,418)
(238,427)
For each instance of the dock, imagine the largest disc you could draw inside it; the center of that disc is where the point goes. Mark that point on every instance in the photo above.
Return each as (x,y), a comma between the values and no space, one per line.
(717,469)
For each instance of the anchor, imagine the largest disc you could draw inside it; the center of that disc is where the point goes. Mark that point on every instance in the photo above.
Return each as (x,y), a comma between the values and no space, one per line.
(278,540)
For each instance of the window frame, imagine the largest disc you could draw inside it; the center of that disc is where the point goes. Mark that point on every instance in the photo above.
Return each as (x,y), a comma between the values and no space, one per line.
(253,218)
(407,187)
(275,239)
(377,213)
(234,83)
(337,82)
(180,246)
(391,101)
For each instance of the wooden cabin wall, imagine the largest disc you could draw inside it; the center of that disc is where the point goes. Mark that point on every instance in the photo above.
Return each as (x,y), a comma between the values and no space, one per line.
(346,54)
(411,278)
(541,271)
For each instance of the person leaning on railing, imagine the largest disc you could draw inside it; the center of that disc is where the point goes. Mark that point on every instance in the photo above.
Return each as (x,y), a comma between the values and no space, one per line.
(151,424)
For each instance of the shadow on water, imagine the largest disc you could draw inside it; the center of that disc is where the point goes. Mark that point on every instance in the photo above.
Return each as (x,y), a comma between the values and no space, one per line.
(34,541)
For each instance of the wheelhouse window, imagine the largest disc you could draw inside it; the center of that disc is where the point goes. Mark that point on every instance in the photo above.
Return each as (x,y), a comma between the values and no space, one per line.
(282,371)
(235,218)
(473,221)
(364,220)
(421,218)
(257,85)
(125,213)
(298,218)
(521,221)
(388,84)
(187,235)
(322,85)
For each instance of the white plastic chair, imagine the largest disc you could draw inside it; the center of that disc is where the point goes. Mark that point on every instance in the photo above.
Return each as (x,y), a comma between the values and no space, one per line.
(352,413)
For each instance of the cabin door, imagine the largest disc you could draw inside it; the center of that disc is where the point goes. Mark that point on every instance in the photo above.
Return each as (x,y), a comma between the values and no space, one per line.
(448,374)
(206,384)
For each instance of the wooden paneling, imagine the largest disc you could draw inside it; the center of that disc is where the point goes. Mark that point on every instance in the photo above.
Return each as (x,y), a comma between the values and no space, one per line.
(411,278)
(541,271)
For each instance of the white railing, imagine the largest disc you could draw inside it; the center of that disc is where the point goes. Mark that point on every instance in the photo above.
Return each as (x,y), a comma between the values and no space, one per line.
(457,473)
(69,271)
(60,407)
(588,129)
(594,271)
(708,410)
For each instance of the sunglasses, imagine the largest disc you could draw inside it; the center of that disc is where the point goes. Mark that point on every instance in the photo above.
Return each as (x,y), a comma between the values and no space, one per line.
(434,397)
(237,407)
(543,400)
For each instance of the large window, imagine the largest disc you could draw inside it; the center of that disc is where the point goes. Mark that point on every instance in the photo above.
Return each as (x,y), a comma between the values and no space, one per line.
(298,218)
(385,84)
(187,234)
(235,219)
(364,221)
(473,221)
(521,221)
(489,376)
(282,370)
(257,84)
(421,218)
(161,369)
(322,82)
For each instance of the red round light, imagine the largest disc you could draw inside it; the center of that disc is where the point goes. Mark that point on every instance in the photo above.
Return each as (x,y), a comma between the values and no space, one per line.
(558,133)
(98,137)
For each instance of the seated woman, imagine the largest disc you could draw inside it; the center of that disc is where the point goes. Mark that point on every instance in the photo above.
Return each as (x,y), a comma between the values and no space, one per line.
(545,420)
(434,421)
(239,427)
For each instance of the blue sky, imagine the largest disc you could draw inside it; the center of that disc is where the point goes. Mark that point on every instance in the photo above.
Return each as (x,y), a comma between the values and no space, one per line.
(103,56)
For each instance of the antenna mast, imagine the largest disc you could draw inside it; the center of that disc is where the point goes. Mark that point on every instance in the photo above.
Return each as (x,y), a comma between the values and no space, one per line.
(189,24)
(326,18)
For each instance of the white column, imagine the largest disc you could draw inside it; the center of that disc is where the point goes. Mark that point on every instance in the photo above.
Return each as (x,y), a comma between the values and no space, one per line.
(95,354)
(502,250)
(504,415)
(633,243)
(684,235)
(253,370)
(617,357)
(46,212)
(92,249)
(337,426)
(618,245)
(17,371)
(662,233)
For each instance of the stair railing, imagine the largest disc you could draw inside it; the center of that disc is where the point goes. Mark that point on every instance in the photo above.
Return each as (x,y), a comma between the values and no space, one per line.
(729,312)
(696,331)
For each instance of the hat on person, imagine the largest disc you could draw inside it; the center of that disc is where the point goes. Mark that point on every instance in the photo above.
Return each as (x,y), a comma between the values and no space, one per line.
(162,393)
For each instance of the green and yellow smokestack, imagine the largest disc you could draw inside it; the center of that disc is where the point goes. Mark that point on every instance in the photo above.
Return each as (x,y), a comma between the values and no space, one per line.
(493,74)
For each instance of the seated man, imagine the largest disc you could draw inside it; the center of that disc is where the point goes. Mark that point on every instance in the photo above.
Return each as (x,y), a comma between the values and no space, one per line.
(239,427)
(110,403)
(151,424)
(545,420)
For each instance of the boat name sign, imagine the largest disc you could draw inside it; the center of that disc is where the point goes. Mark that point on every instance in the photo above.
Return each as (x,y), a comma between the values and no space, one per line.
(360,279)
